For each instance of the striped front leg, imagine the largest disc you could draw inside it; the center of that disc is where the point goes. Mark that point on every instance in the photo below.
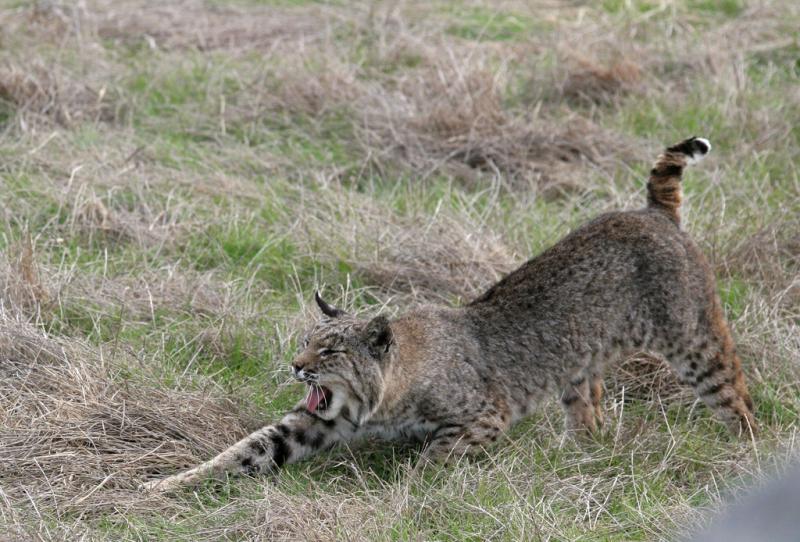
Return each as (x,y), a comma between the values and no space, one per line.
(296,436)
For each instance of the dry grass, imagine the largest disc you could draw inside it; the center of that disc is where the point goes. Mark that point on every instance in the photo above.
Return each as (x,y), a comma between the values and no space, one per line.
(423,256)
(771,256)
(193,25)
(595,84)
(175,181)
(71,428)
(444,260)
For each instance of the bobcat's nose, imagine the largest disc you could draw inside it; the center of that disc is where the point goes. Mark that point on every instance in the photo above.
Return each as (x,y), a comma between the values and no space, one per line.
(302,374)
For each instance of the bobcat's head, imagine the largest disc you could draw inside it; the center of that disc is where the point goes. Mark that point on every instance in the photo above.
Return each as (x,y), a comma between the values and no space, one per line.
(342,361)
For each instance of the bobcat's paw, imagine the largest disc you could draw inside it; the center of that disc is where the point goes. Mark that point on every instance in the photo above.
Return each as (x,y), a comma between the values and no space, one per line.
(164,485)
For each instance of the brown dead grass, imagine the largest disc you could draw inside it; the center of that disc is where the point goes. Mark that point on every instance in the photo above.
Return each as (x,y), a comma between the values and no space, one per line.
(22,285)
(445,259)
(443,256)
(34,79)
(143,224)
(42,88)
(188,24)
(46,293)
(139,298)
(454,120)
(643,377)
(71,427)
(191,24)
(442,116)
(119,196)
(770,257)
(589,83)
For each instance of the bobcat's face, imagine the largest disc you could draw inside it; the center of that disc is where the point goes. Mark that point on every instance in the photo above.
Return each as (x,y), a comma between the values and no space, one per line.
(342,361)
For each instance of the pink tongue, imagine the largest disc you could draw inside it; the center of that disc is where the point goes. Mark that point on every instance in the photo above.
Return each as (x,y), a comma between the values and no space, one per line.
(315,395)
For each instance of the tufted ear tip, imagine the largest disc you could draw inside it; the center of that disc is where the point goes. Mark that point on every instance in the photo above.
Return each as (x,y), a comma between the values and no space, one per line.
(327,309)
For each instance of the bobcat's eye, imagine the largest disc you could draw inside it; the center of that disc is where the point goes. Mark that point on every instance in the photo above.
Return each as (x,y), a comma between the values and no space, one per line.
(328,352)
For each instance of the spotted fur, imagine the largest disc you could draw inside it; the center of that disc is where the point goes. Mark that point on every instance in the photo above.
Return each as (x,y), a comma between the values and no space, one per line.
(457,378)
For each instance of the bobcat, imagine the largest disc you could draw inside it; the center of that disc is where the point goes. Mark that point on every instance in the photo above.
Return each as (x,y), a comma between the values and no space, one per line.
(456,378)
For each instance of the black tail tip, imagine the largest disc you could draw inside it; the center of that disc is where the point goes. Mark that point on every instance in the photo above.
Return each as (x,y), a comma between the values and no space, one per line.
(695,148)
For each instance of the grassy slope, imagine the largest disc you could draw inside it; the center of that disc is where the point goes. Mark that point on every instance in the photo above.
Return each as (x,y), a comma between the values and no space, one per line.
(174,184)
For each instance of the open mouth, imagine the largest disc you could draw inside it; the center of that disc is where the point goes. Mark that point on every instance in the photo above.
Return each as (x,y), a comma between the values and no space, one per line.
(318,398)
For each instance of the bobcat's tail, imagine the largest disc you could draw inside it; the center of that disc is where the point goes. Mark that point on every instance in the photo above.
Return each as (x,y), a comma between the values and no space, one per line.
(664,185)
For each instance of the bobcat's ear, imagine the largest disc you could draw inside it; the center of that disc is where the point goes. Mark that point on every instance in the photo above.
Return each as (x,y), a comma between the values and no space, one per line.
(327,310)
(378,336)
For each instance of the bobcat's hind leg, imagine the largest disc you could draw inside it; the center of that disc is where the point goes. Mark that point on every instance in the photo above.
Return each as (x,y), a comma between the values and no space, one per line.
(451,441)
(715,373)
(719,382)
(596,394)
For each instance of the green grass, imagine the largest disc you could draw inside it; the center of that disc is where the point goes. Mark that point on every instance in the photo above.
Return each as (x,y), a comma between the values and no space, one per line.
(728,8)
(483,24)
(6,114)
(734,296)
(617,6)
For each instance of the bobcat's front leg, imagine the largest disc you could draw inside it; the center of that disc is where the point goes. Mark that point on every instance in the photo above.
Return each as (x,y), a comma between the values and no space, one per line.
(465,437)
(299,434)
